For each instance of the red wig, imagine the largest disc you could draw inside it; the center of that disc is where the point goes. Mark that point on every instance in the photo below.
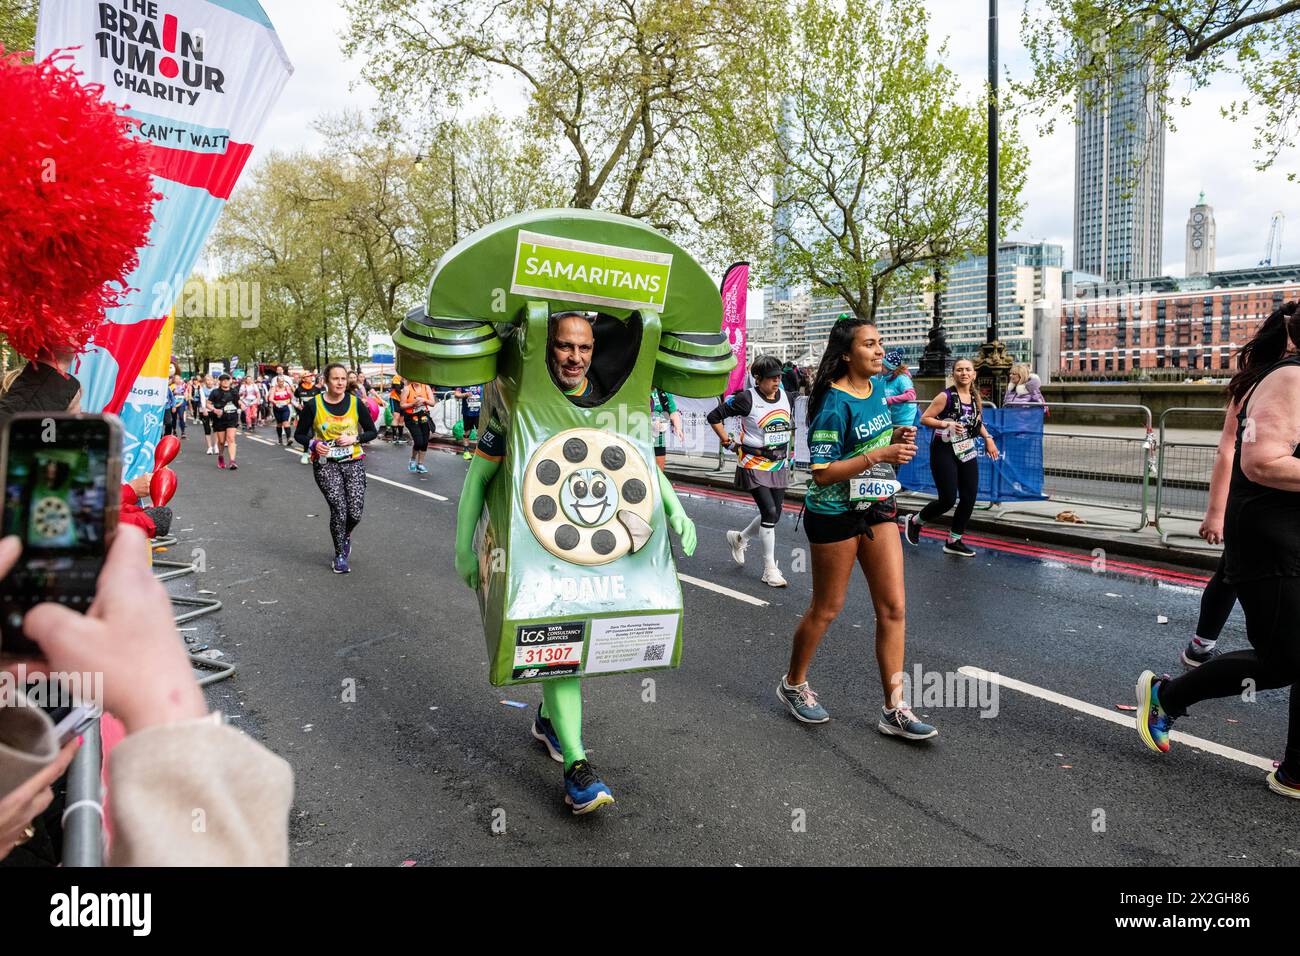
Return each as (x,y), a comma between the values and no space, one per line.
(76,202)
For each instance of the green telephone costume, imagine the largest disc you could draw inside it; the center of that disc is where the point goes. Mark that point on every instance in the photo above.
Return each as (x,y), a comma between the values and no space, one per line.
(561,527)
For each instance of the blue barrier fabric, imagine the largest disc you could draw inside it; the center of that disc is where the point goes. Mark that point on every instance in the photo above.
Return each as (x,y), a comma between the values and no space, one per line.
(1016,476)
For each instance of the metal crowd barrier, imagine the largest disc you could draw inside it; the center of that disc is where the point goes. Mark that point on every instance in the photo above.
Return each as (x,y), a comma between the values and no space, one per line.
(1101,471)
(1183,482)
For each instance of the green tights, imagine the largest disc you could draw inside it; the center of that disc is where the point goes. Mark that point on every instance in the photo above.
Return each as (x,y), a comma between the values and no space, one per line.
(562,706)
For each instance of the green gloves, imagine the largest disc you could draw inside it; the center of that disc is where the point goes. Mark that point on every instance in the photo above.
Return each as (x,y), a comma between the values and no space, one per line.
(468,512)
(677,519)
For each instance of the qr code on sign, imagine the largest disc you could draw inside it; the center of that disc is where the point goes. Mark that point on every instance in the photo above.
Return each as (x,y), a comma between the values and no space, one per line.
(655,652)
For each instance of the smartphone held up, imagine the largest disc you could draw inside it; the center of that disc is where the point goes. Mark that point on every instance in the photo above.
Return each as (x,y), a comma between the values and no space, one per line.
(62,477)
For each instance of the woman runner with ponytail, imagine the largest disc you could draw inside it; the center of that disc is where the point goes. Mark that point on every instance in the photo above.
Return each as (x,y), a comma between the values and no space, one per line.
(954,460)
(332,427)
(851,518)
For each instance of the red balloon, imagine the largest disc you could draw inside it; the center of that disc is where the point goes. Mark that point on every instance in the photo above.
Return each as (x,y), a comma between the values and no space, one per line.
(168,448)
(162,485)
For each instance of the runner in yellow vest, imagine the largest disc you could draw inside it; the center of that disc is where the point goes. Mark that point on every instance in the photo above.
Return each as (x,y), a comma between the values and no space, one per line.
(332,428)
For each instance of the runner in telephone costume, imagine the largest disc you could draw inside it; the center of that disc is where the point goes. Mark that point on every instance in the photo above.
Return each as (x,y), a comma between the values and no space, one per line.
(563,523)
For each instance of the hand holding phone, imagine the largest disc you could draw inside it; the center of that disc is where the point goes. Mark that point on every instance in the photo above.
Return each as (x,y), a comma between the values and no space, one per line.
(62,489)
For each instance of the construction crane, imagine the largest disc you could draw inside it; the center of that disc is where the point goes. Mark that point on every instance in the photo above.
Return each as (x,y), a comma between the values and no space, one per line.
(1273,252)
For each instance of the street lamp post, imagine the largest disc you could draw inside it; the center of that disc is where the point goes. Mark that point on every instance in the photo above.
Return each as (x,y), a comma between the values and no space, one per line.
(937,357)
(992,364)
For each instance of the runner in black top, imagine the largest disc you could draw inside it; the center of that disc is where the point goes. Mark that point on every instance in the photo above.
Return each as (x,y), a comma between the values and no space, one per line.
(224,402)
(1261,558)
(954,460)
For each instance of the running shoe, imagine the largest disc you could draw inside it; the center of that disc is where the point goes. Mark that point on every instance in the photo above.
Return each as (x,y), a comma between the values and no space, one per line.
(421,469)
(305,459)
(410,466)
(958,548)
(543,731)
(234,467)
(210,452)
(221,460)
(468,455)
(912,530)
(1194,656)
(903,723)
(736,541)
(802,702)
(341,564)
(1153,723)
(772,577)
(583,789)
(1286,787)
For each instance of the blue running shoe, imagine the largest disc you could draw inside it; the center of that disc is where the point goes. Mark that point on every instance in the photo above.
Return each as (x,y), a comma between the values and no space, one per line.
(802,702)
(411,467)
(1279,784)
(1152,722)
(421,469)
(583,790)
(544,732)
(341,564)
(901,722)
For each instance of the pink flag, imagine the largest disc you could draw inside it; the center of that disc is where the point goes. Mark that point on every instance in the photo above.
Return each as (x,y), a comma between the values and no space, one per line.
(735,287)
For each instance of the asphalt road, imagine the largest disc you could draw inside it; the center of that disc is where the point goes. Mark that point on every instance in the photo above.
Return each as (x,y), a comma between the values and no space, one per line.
(428,764)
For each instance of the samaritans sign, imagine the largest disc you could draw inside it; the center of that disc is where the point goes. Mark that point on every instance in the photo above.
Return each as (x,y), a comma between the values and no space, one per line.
(590,272)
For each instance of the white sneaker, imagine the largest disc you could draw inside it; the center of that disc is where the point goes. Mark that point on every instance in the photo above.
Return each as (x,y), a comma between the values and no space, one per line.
(305,459)
(737,543)
(209,452)
(772,577)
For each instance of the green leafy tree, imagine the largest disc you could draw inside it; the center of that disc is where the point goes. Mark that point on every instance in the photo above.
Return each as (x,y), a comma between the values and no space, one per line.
(620,88)
(861,152)
(1079,47)
(18,24)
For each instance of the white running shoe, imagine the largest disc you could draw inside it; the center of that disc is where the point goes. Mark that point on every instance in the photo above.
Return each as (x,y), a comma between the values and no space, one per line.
(736,541)
(772,577)
(210,451)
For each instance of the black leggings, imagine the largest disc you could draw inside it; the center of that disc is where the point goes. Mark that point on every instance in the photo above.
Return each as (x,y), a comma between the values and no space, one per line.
(1272,608)
(1216,604)
(958,483)
(343,483)
(419,434)
(769,502)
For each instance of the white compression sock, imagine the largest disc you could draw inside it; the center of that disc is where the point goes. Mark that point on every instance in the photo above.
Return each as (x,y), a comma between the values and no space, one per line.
(769,546)
(752,530)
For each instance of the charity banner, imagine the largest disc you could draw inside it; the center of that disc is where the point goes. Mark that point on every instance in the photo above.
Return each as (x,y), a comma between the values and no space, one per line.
(735,289)
(197,78)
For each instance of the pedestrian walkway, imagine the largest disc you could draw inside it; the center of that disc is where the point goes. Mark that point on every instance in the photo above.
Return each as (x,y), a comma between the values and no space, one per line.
(1110,528)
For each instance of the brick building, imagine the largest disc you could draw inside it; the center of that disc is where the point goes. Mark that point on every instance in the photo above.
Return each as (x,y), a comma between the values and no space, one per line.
(1170,323)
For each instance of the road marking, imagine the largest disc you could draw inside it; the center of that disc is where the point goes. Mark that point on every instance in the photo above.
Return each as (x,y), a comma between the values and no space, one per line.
(710,586)
(398,484)
(1083,707)
(369,476)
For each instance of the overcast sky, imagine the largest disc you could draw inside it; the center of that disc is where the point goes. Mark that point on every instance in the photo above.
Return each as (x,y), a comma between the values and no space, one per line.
(1206,153)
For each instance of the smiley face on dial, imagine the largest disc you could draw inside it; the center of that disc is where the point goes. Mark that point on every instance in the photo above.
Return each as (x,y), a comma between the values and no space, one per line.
(587,496)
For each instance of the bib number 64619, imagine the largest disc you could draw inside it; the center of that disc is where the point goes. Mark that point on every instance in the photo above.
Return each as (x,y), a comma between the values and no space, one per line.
(869,488)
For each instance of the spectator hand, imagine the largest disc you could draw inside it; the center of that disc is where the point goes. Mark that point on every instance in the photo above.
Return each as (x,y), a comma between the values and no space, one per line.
(129,636)
(28,800)
(140,485)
